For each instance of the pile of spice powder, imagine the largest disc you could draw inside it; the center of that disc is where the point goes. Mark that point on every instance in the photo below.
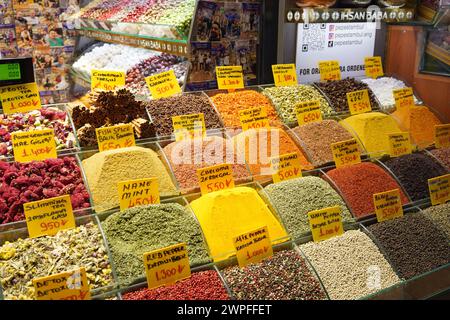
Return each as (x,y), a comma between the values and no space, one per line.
(284,276)
(229,105)
(104,170)
(25,259)
(440,215)
(443,156)
(372,129)
(420,122)
(203,285)
(162,111)
(359,182)
(412,243)
(285,98)
(413,172)
(293,199)
(350,266)
(228,213)
(317,138)
(138,230)
(188,155)
(258,148)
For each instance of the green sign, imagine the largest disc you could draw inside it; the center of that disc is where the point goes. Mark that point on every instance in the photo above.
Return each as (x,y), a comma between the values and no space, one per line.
(10,71)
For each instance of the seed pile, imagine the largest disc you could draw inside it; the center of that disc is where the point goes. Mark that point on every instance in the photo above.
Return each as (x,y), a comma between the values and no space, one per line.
(350,266)
(204,285)
(294,198)
(413,244)
(413,171)
(443,155)
(284,276)
(440,215)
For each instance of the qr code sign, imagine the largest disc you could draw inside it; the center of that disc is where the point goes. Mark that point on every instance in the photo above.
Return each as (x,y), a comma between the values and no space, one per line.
(314,38)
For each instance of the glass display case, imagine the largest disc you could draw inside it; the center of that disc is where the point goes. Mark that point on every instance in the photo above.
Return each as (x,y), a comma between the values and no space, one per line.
(436,51)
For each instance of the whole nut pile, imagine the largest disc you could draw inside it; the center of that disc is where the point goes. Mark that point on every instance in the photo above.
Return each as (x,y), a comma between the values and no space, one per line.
(440,215)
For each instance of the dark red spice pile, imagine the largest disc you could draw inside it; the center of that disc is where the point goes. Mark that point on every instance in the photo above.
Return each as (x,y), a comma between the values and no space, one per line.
(25,182)
(204,285)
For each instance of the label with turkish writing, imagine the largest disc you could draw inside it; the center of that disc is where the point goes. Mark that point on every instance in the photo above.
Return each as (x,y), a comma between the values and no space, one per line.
(346,153)
(358,101)
(254,118)
(70,285)
(325,223)
(439,188)
(308,112)
(215,178)
(107,80)
(286,167)
(399,144)
(20,98)
(49,216)
(138,192)
(36,145)
(388,205)
(115,137)
(230,78)
(253,246)
(188,126)
(284,75)
(404,98)
(442,136)
(163,85)
(374,67)
(329,70)
(167,265)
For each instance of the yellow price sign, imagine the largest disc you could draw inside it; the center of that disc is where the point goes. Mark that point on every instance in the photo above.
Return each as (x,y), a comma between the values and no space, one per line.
(230,78)
(439,188)
(346,153)
(358,101)
(253,246)
(374,67)
(138,192)
(254,118)
(35,145)
(215,178)
(163,85)
(49,216)
(329,70)
(286,167)
(442,136)
(107,80)
(20,98)
(115,137)
(308,112)
(188,126)
(167,265)
(388,205)
(70,285)
(325,223)
(404,98)
(399,144)
(284,75)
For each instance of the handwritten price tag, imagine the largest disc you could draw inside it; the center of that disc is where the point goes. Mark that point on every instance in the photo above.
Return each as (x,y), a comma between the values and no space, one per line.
(404,98)
(20,98)
(325,223)
(308,112)
(49,216)
(442,136)
(388,205)
(399,144)
(167,265)
(439,188)
(188,126)
(329,70)
(254,118)
(346,153)
(253,246)
(115,137)
(138,192)
(374,67)
(34,145)
(215,178)
(107,80)
(284,75)
(286,167)
(230,78)
(358,101)
(163,85)
(70,285)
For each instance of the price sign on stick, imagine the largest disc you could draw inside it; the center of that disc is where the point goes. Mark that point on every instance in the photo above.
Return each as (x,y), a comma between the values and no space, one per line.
(388,205)
(138,192)
(329,70)
(107,80)
(253,246)
(442,136)
(399,144)
(163,85)
(286,167)
(374,67)
(359,102)
(439,188)
(404,98)
(35,145)
(346,153)
(215,178)
(325,223)
(254,118)
(20,98)
(115,137)
(71,285)
(230,78)
(284,75)
(188,126)
(308,112)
